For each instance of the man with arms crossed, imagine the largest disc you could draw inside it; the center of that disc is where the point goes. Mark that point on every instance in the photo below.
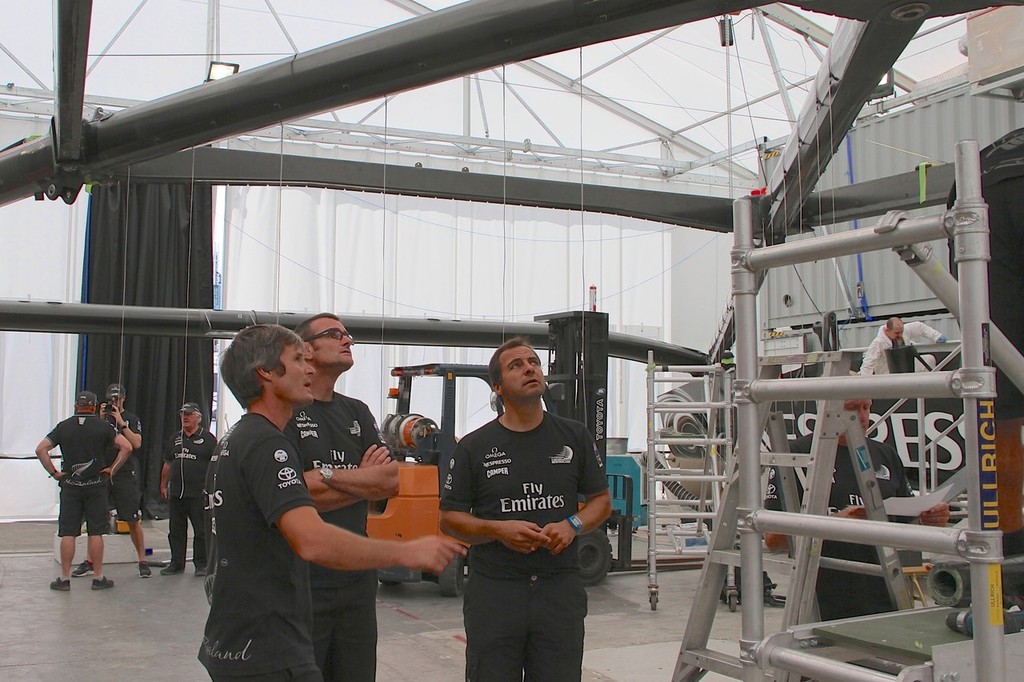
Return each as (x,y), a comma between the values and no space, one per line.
(345,465)
(264,527)
(83,441)
(513,493)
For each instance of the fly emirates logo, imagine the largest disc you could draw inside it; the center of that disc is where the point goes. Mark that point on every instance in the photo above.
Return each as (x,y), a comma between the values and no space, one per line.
(533,499)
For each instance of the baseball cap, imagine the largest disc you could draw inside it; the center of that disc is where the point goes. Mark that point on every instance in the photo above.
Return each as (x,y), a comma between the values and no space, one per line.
(190,407)
(85,399)
(116,391)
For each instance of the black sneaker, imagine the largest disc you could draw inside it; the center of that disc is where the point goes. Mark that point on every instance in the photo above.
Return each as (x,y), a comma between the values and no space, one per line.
(144,571)
(61,585)
(200,570)
(171,569)
(84,568)
(102,584)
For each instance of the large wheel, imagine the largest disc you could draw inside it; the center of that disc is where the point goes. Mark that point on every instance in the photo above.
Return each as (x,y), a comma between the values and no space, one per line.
(453,577)
(595,556)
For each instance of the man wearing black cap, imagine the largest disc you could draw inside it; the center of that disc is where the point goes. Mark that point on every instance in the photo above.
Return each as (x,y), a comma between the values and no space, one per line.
(83,441)
(124,486)
(182,479)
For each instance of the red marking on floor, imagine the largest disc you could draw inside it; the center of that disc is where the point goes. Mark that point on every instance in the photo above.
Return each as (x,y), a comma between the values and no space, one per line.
(461,638)
(406,613)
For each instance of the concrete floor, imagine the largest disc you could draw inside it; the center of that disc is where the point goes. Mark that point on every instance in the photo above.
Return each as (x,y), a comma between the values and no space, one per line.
(150,629)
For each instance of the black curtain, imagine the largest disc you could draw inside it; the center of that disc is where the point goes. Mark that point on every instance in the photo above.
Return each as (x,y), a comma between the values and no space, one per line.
(150,244)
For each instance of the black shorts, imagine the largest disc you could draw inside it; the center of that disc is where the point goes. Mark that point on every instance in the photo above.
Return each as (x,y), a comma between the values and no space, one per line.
(88,502)
(124,493)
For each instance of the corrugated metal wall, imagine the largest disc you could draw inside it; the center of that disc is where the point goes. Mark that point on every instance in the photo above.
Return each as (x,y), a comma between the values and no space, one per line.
(877,148)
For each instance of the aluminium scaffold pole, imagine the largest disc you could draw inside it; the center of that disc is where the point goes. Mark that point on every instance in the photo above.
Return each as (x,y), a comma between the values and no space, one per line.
(748,450)
(969,222)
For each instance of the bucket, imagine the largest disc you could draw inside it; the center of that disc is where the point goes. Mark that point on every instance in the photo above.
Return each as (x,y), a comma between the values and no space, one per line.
(900,360)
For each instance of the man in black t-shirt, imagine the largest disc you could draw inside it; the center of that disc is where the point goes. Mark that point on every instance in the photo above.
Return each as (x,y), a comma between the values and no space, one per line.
(345,464)
(124,485)
(83,440)
(182,478)
(513,492)
(264,527)
(843,594)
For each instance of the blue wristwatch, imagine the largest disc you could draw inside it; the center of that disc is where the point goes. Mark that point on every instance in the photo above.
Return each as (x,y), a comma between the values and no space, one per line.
(576,524)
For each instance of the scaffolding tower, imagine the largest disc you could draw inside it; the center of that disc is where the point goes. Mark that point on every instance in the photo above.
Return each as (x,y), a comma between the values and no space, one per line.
(793,652)
(689,452)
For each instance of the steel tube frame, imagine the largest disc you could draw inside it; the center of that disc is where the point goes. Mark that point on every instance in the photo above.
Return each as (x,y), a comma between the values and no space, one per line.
(816,667)
(968,222)
(860,531)
(748,450)
(969,219)
(891,231)
(930,385)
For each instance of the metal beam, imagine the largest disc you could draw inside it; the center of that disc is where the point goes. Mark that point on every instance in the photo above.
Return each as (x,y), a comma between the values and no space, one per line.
(860,54)
(85,318)
(71,51)
(801,25)
(237,167)
(460,40)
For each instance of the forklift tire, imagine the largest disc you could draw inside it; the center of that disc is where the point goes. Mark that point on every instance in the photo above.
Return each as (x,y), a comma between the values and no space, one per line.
(452,578)
(595,552)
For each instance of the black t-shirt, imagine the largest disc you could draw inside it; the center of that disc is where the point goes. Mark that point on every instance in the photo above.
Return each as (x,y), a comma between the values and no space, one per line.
(189,458)
(535,476)
(842,594)
(83,441)
(334,435)
(260,614)
(135,424)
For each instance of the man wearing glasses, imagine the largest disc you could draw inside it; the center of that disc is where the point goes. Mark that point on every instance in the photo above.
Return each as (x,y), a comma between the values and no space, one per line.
(346,464)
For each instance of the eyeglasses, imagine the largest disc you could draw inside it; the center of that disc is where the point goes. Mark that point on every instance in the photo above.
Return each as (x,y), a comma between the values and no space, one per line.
(334,333)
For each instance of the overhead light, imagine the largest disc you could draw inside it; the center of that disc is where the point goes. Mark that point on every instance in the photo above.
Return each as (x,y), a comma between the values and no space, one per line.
(220,70)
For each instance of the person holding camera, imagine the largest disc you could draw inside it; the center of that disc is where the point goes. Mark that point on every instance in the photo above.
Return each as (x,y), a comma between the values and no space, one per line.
(124,484)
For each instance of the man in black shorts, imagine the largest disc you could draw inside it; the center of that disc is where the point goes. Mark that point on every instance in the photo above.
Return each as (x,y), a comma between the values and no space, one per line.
(182,478)
(83,441)
(265,528)
(513,493)
(345,464)
(124,485)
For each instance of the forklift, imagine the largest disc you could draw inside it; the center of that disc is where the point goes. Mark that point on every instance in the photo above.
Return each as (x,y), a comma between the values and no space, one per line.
(577,389)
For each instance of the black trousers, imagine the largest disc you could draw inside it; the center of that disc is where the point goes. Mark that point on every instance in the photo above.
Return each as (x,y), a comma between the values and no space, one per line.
(182,512)
(528,629)
(345,630)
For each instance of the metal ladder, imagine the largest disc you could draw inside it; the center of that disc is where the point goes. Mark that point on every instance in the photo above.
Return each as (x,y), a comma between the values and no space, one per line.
(695,658)
(673,511)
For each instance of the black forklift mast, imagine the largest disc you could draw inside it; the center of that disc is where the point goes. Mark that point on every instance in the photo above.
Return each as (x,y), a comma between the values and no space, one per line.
(578,342)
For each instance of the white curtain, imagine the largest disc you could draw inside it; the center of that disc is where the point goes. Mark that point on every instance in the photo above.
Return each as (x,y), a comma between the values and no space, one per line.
(310,250)
(42,261)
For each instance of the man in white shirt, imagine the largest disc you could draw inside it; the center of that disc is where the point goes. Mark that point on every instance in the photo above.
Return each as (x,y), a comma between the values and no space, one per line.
(894,334)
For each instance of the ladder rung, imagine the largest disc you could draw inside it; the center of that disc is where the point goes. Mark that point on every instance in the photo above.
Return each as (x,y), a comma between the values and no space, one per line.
(687,475)
(684,408)
(668,440)
(682,514)
(714,661)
